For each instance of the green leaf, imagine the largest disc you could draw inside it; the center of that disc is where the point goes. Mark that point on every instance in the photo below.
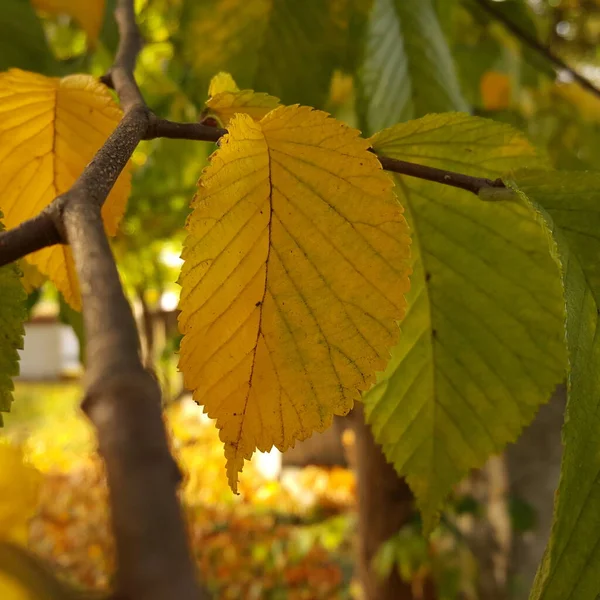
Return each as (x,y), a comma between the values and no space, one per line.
(13,313)
(407,70)
(22,41)
(482,344)
(571,566)
(285,47)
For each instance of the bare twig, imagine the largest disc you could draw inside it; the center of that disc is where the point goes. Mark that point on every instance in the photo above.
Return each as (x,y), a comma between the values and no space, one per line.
(121,77)
(457,180)
(162,128)
(536,45)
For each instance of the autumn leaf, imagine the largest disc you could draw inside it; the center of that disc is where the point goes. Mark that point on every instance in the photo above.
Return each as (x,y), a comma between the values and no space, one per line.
(89,14)
(222,82)
(49,130)
(226,99)
(31,278)
(495,90)
(22,576)
(285,47)
(19,492)
(482,344)
(293,281)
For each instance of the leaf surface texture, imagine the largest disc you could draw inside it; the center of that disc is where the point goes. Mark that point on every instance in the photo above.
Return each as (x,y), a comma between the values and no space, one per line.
(50,129)
(288,48)
(226,99)
(407,70)
(482,344)
(570,569)
(293,282)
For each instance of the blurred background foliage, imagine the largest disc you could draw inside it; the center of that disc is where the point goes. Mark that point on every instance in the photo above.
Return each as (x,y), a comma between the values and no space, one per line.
(369,63)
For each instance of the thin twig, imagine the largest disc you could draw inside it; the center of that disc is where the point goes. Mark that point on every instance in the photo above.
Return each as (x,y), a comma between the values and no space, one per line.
(536,45)
(163,128)
(457,180)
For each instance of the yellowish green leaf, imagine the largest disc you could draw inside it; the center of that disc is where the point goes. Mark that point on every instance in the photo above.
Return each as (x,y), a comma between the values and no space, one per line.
(222,82)
(287,48)
(226,100)
(50,129)
(31,278)
(293,282)
(89,14)
(482,344)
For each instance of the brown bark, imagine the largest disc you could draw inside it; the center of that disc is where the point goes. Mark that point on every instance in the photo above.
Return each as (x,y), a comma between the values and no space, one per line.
(385,504)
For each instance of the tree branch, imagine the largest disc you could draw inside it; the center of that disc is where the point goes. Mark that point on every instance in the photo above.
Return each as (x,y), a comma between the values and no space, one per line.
(34,234)
(533,43)
(41,231)
(457,180)
(196,131)
(122,400)
(121,75)
(163,128)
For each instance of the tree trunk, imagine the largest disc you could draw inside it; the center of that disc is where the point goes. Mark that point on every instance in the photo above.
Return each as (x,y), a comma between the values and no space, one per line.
(385,504)
(534,470)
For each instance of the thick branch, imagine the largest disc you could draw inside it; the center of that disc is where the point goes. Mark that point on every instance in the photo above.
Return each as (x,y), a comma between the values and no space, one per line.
(533,43)
(123,401)
(29,236)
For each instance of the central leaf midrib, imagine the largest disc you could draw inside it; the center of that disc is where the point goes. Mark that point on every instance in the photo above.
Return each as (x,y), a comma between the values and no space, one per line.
(262,300)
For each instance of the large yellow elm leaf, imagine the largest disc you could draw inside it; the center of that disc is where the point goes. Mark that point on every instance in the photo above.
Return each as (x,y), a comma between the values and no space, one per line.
(89,14)
(482,343)
(226,99)
(296,265)
(50,129)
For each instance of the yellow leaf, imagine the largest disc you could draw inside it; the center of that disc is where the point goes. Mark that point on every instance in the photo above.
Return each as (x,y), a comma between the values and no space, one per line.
(222,82)
(50,129)
(226,100)
(495,90)
(89,13)
(296,265)
(19,494)
(587,104)
(11,589)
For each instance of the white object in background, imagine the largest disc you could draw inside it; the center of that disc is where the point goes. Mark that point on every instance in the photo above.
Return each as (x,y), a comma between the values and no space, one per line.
(268,464)
(50,349)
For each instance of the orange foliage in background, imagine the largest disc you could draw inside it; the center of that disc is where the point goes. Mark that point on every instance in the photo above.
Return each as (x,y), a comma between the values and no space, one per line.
(277,539)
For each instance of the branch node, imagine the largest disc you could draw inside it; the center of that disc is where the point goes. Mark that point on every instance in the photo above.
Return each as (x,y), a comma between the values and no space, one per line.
(107,80)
